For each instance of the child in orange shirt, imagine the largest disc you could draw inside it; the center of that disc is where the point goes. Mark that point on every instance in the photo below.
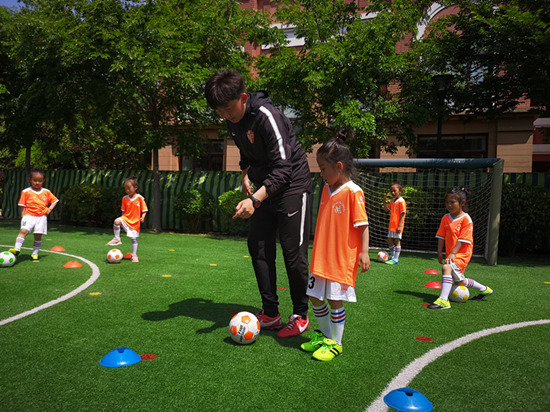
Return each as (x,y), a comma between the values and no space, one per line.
(134,210)
(340,247)
(456,233)
(397,209)
(35,203)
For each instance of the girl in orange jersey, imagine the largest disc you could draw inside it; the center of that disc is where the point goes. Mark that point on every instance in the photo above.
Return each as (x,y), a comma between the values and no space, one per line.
(456,234)
(340,247)
(134,210)
(397,209)
(36,203)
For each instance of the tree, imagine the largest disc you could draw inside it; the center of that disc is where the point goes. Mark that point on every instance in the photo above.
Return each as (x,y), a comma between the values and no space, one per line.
(497,51)
(345,75)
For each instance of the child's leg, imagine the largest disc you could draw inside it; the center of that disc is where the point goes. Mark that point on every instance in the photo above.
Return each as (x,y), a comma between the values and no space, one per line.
(484,290)
(390,246)
(19,241)
(134,246)
(321,312)
(396,249)
(116,228)
(37,243)
(446,282)
(337,320)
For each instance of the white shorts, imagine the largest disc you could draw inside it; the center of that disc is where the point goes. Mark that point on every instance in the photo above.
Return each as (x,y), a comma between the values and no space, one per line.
(394,235)
(129,231)
(36,224)
(457,274)
(322,289)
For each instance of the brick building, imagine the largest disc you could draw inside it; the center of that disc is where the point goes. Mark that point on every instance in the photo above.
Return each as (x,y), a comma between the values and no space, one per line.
(513,137)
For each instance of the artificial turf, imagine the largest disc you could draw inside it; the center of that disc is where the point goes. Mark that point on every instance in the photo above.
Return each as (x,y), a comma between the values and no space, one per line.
(177,301)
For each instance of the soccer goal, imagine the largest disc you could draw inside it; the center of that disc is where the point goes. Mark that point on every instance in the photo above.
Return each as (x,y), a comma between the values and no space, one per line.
(425,182)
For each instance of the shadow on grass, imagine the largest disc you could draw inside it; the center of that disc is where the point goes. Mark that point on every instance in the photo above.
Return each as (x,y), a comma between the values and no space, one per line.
(204,309)
(218,313)
(426,297)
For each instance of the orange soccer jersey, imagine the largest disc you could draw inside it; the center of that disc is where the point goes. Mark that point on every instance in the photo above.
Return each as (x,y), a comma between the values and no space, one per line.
(36,203)
(337,242)
(132,210)
(397,207)
(454,230)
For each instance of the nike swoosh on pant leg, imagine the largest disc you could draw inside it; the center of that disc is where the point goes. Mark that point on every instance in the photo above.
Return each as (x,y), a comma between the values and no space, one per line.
(291,214)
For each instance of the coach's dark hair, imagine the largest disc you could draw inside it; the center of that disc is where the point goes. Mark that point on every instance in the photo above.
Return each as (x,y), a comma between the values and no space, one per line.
(224,87)
(462,193)
(133,181)
(336,150)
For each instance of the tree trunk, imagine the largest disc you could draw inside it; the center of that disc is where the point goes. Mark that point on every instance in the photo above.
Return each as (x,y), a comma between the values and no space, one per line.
(157,213)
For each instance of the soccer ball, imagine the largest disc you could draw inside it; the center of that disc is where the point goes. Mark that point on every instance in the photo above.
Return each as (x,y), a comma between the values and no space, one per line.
(244,328)
(114,256)
(7,259)
(383,256)
(459,294)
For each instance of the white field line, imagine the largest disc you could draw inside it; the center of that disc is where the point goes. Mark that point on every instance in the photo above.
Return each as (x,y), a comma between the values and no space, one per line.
(409,372)
(89,282)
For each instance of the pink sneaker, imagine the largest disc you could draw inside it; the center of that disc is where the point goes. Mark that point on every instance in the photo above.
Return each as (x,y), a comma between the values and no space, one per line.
(267,322)
(135,258)
(115,241)
(296,325)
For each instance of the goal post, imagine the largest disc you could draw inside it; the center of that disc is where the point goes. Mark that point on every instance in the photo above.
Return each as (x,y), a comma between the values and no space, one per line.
(425,182)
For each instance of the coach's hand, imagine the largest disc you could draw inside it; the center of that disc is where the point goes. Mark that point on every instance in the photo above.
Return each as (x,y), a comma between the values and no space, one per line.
(244,209)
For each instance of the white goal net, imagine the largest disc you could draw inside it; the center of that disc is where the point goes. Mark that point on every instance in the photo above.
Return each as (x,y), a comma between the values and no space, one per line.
(424,191)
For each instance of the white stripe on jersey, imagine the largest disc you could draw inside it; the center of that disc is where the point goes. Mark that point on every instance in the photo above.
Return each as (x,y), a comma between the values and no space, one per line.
(276,129)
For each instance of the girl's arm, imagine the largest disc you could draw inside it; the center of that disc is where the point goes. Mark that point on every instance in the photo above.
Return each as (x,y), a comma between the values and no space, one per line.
(364,259)
(440,243)
(142,218)
(450,256)
(22,210)
(385,203)
(52,206)
(401,223)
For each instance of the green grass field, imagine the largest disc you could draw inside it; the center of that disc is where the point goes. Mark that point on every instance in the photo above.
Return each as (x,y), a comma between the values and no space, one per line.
(177,301)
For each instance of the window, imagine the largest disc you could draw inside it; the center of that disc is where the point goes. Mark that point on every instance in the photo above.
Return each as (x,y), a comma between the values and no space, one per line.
(468,146)
(212,159)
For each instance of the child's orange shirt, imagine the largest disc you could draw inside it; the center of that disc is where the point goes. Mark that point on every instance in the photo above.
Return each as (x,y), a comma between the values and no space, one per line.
(337,243)
(454,230)
(36,203)
(397,207)
(132,210)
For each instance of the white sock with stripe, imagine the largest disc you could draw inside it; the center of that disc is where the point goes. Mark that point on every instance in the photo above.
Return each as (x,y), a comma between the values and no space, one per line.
(19,243)
(446,285)
(338,321)
(36,247)
(323,319)
(116,230)
(134,246)
(476,285)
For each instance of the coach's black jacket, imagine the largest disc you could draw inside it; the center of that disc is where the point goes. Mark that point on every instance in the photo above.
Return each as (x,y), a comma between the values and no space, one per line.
(268,145)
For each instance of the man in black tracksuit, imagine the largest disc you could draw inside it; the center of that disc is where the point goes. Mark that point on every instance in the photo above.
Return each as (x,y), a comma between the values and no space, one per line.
(274,161)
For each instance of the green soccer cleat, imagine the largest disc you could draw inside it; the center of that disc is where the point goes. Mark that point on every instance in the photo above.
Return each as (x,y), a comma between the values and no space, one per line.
(392,261)
(440,304)
(483,295)
(328,351)
(315,343)
(35,258)
(15,252)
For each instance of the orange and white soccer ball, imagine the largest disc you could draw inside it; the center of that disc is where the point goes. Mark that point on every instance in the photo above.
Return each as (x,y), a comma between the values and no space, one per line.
(244,328)
(459,294)
(114,256)
(383,256)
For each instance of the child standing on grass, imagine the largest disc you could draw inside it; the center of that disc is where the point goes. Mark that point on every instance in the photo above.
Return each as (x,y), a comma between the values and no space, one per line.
(134,210)
(35,203)
(341,245)
(456,234)
(397,210)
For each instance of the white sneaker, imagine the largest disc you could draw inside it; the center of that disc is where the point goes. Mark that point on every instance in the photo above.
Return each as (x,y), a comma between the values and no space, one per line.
(115,241)
(135,258)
